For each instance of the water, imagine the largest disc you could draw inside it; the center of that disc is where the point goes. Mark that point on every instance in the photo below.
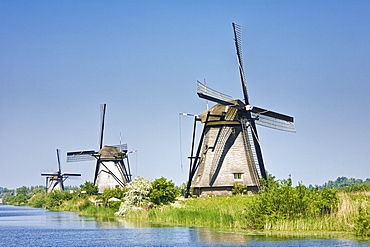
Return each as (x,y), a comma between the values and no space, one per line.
(23,226)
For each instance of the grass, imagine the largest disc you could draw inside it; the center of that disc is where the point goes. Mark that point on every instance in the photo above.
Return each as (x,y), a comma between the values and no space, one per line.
(217,212)
(229,213)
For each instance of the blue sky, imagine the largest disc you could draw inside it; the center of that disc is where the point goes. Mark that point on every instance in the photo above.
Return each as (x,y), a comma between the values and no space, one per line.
(61,59)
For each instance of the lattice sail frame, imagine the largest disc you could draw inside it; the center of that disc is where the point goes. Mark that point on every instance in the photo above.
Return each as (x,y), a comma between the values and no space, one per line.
(203,89)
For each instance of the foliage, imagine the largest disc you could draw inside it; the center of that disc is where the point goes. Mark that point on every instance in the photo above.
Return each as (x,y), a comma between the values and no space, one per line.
(238,189)
(356,188)
(37,200)
(163,191)
(341,182)
(38,190)
(22,190)
(56,198)
(17,200)
(280,201)
(182,188)
(362,223)
(71,187)
(90,188)
(6,190)
(137,193)
(112,193)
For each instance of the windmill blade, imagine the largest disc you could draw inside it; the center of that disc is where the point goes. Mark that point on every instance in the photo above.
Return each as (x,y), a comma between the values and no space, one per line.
(81,156)
(274,123)
(49,174)
(72,174)
(205,92)
(103,108)
(239,55)
(273,120)
(58,158)
(272,114)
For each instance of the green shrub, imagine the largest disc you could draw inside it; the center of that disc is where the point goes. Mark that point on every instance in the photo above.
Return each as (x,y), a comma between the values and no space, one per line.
(279,201)
(37,200)
(163,191)
(136,195)
(90,188)
(238,189)
(362,223)
(111,193)
(84,205)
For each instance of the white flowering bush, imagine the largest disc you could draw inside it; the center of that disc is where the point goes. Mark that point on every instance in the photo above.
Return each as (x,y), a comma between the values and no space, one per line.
(137,194)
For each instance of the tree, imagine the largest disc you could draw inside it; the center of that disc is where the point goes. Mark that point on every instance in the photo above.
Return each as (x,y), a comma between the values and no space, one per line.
(38,190)
(90,188)
(22,190)
(163,191)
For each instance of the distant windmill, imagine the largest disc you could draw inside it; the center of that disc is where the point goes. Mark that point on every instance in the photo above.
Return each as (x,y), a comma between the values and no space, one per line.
(229,149)
(55,180)
(110,169)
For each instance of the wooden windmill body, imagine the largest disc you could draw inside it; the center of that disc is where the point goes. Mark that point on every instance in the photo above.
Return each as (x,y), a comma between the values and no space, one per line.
(112,167)
(229,150)
(225,158)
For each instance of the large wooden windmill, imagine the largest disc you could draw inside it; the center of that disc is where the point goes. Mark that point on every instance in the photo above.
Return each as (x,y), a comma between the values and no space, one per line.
(229,150)
(110,170)
(55,180)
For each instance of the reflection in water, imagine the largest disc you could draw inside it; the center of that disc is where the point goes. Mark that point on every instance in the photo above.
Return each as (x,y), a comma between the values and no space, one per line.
(208,236)
(118,222)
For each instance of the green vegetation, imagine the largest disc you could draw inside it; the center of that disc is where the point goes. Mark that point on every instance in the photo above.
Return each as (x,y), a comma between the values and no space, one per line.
(89,188)
(342,182)
(279,206)
(21,195)
(163,191)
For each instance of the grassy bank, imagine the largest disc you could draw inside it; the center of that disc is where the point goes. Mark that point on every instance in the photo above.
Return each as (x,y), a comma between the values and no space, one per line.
(230,213)
(279,207)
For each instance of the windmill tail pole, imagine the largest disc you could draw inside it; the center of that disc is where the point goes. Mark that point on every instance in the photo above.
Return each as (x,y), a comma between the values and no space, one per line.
(187,192)
(194,160)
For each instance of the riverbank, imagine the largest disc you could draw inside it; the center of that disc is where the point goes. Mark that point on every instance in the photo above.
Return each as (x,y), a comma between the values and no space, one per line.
(278,207)
(230,213)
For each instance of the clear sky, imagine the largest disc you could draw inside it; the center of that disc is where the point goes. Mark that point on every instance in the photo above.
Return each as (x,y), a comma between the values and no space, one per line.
(59,60)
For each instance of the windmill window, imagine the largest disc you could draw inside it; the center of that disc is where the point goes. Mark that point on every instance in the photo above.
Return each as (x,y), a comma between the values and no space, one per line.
(238,176)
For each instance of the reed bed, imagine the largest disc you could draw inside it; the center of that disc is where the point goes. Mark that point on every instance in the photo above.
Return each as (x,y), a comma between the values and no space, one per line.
(229,212)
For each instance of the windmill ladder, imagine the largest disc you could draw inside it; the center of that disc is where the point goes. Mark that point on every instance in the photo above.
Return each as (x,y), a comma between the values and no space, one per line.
(251,152)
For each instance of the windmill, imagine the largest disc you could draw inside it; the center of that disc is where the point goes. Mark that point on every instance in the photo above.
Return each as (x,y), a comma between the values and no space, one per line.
(110,169)
(55,180)
(229,150)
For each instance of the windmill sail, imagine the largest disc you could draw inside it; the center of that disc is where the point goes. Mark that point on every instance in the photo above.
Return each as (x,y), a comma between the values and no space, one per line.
(81,156)
(239,56)
(274,123)
(205,92)
(261,116)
